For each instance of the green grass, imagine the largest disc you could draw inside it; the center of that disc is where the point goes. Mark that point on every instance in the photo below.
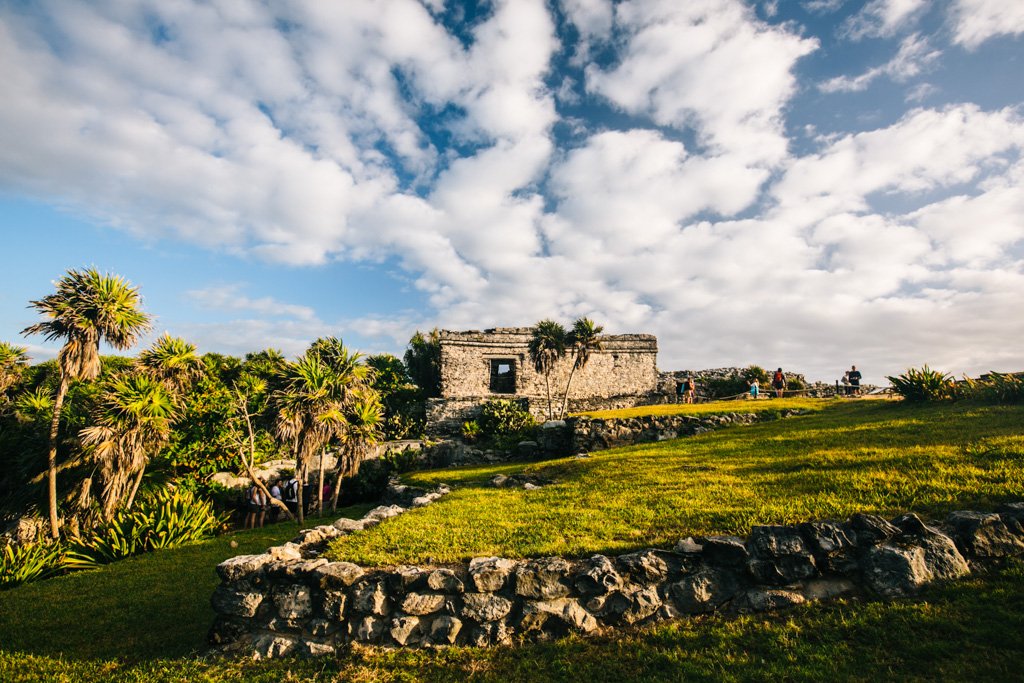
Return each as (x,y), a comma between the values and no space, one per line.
(145,619)
(972,630)
(876,456)
(774,405)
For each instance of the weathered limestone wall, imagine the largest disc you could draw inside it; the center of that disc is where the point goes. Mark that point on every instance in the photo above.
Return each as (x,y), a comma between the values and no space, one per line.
(269,605)
(626,365)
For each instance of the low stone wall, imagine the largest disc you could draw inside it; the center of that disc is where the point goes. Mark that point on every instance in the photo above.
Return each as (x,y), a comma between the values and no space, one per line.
(269,605)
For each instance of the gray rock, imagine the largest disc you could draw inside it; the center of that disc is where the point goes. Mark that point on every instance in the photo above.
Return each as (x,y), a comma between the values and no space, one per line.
(334,602)
(321,628)
(724,550)
(630,605)
(405,578)
(370,597)
(382,512)
(833,544)
(243,567)
(286,552)
(765,599)
(688,546)
(406,630)
(272,646)
(227,630)
(543,579)
(445,580)
(312,648)
(941,557)
(895,571)
(984,535)
(1012,515)
(872,529)
(293,601)
(597,576)
(646,566)
(499,481)
(338,574)
(367,629)
(778,555)
(348,526)
(560,615)
(491,633)
(489,574)
(483,607)
(704,590)
(827,589)
(420,604)
(240,603)
(444,630)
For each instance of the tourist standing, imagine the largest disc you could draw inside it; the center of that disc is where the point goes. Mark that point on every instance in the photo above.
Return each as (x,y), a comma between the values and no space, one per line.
(689,389)
(855,380)
(255,506)
(779,383)
(275,493)
(291,495)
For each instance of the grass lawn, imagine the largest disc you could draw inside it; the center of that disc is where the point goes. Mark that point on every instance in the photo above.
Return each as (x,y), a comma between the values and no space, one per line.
(145,619)
(774,405)
(874,456)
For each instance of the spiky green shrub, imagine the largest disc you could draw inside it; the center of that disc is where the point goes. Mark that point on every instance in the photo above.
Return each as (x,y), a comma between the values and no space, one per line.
(168,519)
(470,431)
(998,387)
(924,385)
(31,562)
(505,422)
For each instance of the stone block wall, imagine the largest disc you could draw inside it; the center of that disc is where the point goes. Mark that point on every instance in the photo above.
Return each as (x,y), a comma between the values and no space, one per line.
(269,605)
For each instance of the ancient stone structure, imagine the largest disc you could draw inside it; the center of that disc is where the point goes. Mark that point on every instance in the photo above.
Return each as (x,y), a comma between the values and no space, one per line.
(480,365)
(287,601)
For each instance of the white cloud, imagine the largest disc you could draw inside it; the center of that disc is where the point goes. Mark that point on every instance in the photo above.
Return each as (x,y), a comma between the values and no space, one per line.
(230,298)
(914,55)
(883,18)
(975,21)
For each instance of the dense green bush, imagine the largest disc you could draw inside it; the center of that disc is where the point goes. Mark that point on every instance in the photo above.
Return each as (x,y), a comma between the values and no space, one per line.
(737,382)
(369,482)
(167,519)
(471,431)
(997,387)
(505,422)
(924,385)
(31,562)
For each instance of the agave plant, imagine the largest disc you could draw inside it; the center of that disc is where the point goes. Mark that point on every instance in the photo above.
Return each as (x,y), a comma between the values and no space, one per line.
(30,562)
(924,385)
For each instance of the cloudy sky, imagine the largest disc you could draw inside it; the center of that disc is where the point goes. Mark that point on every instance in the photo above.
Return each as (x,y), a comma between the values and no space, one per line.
(805,183)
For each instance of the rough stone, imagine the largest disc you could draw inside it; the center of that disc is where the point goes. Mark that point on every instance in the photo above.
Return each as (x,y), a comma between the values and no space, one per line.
(826,589)
(444,630)
(287,552)
(227,630)
(543,579)
(240,603)
(483,607)
(489,574)
(422,603)
(334,602)
(368,629)
(338,574)
(778,555)
(369,597)
(271,646)
(895,571)
(445,580)
(941,556)
(983,535)
(243,567)
(303,571)
(645,566)
(405,578)
(724,550)
(561,615)
(293,602)
(382,512)
(313,648)
(491,633)
(630,605)
(688,546)
(321,628)
(765,599)
(348,526)
(833,544)
(597,576)
(872,529)
(406,630)
(704,590)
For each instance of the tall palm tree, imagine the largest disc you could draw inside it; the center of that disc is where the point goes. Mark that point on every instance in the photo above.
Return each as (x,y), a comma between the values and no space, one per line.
(364,420)
(87,308)
(547,346)
(173,362)
(584,340)
(13,361)
(131,423)
(309,408)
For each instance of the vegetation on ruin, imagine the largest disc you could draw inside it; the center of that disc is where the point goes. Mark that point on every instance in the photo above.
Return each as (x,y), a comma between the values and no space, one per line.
(869,456)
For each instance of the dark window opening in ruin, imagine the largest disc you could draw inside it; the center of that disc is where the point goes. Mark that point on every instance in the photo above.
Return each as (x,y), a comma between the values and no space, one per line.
(503,376)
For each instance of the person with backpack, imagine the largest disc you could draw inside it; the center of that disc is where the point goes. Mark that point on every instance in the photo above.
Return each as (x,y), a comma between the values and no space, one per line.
(779,383)
(276,494)
(291,495)
(255,506)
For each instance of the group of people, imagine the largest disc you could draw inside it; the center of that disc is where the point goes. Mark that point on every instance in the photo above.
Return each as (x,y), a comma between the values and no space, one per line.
(851,383)
(284,491)
(778,385)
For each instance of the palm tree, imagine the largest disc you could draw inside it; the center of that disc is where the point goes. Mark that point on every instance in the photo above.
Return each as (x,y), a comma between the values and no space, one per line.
(584,340)
(131,423)
(309,411)
(173,362)
(13,361)
(547,346)
(363,422)
(87,308)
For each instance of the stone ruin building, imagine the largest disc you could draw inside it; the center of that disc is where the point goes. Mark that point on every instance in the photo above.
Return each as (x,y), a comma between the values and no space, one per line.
(477,366)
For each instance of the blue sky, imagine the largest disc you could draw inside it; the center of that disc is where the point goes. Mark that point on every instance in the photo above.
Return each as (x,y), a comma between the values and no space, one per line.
(805,183)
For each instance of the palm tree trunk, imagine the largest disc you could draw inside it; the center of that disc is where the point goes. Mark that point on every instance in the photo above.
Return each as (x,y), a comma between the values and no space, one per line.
(135,489)
(300,473)
(547,384)
(320,489)
(565,397)
(51,460)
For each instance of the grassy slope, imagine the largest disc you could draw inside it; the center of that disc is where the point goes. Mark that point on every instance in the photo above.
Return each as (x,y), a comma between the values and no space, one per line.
(760,406)
(140,620)
(877,456)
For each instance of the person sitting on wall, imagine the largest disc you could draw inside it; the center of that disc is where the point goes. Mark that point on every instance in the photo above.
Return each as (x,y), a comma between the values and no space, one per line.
(689,389)
(754,389)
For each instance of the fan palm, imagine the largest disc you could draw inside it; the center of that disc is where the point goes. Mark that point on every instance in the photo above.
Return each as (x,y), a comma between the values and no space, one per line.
(363,422)
(547,346)
(584,340)
(130,424)
(87,308)
(13,361)
(173,362)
